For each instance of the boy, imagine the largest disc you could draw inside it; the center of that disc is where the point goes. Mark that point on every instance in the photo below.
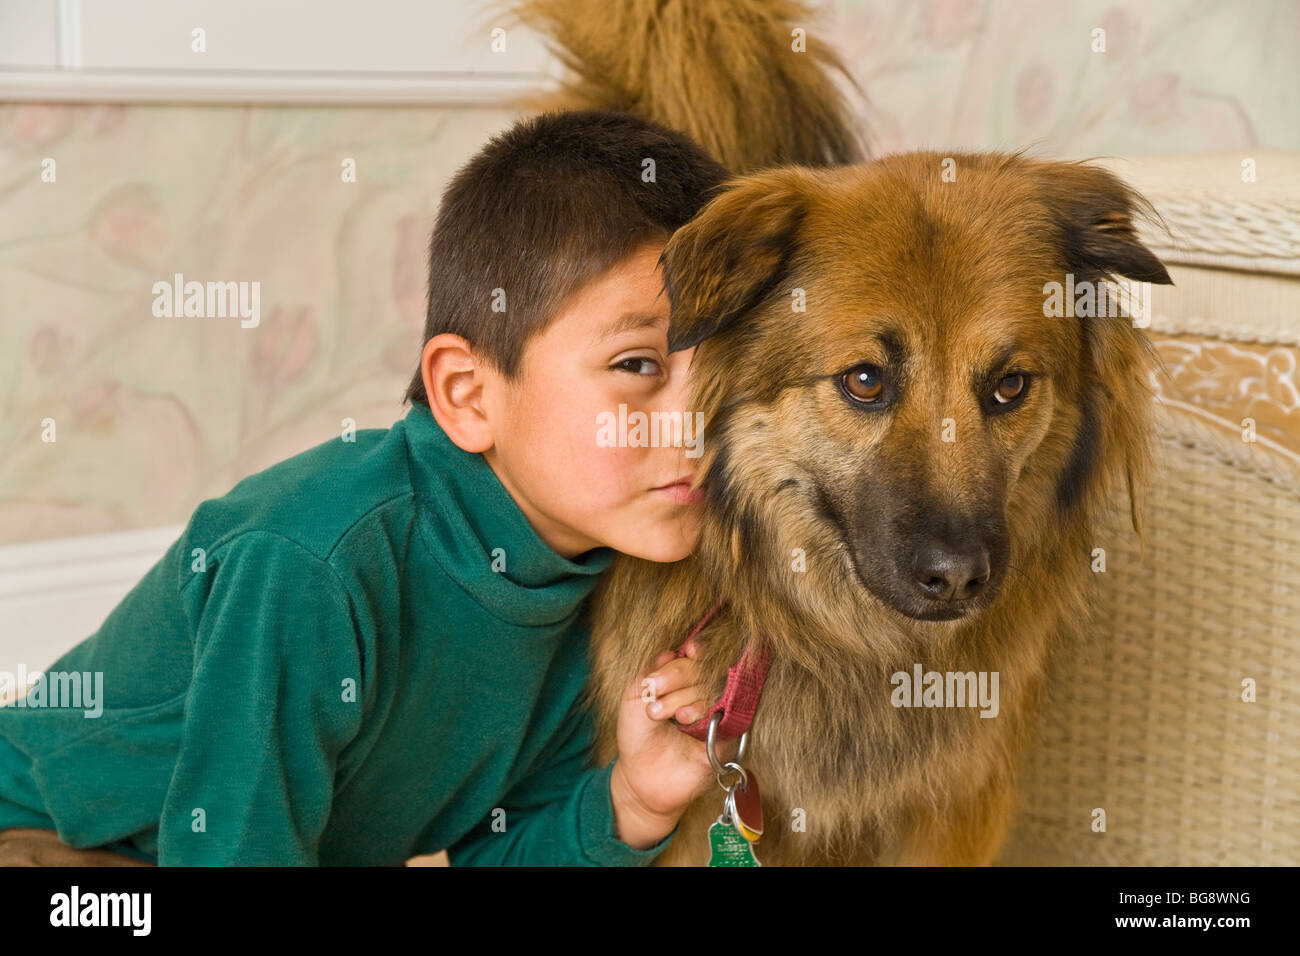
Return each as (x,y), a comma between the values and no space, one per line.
(377,648)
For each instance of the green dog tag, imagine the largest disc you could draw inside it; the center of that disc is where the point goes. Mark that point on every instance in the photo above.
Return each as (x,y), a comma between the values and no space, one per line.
(728,848)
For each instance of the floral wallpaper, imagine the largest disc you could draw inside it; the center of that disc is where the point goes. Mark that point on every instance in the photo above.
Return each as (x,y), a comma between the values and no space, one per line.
(1175,76)
(152,413)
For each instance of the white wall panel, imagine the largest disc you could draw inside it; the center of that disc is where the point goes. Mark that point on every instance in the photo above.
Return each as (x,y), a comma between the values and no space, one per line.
(326,51)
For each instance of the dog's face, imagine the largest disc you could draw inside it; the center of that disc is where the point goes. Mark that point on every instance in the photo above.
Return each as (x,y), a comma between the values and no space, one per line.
(881,384)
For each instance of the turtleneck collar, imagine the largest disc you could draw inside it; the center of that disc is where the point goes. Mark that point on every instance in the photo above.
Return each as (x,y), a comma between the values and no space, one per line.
(466,515)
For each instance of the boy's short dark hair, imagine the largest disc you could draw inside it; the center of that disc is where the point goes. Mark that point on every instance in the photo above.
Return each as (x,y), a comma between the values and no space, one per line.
(544,209)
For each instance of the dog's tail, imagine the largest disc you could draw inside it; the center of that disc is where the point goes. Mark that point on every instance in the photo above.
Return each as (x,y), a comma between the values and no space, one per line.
(749,80)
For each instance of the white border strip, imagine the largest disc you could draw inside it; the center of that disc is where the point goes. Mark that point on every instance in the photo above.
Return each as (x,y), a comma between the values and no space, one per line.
(68,566)
(230,86)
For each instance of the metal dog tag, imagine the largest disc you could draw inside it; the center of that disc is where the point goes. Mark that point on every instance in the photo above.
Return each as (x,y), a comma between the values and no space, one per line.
(744,807)
(727,847)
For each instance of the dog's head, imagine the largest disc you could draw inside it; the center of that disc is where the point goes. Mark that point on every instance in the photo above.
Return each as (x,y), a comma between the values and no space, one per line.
(884,381)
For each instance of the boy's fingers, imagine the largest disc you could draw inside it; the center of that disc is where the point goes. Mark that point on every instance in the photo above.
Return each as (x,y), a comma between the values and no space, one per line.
(646,687)
(674,674)
(668,705)
(663,659)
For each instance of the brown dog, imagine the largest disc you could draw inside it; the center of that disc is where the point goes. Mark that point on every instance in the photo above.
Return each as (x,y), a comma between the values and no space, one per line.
(904,453)
(906,473)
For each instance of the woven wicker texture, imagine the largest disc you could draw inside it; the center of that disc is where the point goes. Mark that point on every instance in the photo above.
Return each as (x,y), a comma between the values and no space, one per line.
(1207,230)
(1145,719)
(1219,214)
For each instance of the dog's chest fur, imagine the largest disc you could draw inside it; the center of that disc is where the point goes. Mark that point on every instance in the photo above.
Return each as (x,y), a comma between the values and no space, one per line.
(845,774)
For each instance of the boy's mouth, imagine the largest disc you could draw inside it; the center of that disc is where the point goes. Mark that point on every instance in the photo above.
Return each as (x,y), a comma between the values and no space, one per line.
(681,492)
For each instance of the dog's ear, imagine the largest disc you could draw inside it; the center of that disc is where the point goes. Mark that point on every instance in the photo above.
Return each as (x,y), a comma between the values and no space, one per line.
(1094,212)
(733,254)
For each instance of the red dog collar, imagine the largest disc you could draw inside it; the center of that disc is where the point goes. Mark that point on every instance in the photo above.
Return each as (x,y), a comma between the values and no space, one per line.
(744,685)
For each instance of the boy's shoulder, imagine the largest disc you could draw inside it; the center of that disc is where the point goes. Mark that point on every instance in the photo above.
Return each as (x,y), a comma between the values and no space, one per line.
(312,498)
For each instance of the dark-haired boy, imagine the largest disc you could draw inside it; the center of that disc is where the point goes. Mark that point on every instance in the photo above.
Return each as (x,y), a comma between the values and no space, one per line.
(377,649)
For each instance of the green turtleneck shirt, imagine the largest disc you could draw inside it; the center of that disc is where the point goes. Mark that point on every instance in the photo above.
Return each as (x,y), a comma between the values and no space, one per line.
(361,654)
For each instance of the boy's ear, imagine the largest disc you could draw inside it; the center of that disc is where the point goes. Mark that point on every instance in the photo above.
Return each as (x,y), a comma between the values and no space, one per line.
(453,384)
(731,256)
(1094,212)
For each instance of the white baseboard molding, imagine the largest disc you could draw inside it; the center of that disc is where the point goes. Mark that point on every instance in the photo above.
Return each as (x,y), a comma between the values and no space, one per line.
(55,593)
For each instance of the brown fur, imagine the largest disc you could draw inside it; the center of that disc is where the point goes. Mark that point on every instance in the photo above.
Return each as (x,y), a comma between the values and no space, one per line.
(932,280)
(721,70)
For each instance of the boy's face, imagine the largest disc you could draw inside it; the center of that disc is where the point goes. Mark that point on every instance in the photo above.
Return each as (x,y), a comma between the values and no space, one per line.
(566,441)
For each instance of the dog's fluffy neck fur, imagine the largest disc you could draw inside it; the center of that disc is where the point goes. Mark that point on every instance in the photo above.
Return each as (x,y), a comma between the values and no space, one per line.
(899,756)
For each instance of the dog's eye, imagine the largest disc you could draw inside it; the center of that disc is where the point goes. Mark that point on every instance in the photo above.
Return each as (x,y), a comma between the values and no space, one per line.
(862,383)
(1010,388)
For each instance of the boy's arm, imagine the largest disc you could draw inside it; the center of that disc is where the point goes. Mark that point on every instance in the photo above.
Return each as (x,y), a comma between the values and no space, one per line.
(559,815)
(267,715)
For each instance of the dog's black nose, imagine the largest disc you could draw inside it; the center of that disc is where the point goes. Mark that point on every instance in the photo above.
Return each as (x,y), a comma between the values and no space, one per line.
(948,574)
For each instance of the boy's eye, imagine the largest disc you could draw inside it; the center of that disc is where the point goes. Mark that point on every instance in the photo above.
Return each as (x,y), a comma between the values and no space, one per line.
(638,366)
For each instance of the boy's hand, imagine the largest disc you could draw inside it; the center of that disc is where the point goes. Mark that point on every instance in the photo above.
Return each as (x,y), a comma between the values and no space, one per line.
(660,769)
